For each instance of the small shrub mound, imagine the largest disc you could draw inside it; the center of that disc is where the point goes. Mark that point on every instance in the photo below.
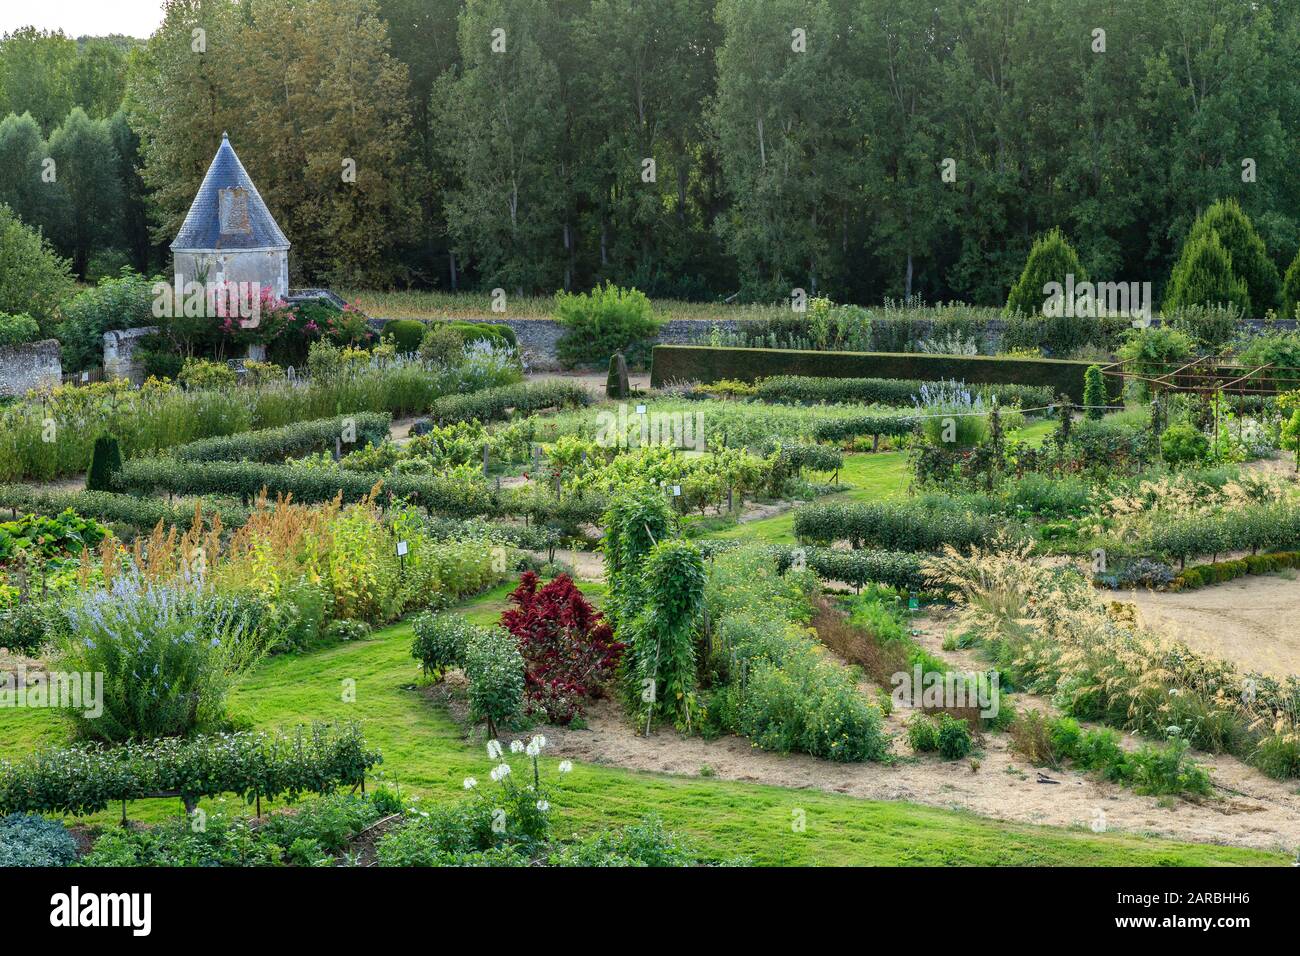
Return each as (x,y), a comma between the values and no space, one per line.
(28,840)
(1150,770)
(607,320)
(440,641)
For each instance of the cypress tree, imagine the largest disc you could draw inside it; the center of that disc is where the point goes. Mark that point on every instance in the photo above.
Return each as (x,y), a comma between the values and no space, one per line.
(1094,392)
(105,462)
(1204,275)
(1050,259)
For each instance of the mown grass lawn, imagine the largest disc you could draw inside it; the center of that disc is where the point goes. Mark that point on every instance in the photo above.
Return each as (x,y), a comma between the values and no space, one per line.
(425,754)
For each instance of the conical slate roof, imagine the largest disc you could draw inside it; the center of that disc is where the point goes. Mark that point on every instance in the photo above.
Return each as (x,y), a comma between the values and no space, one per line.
(228,212)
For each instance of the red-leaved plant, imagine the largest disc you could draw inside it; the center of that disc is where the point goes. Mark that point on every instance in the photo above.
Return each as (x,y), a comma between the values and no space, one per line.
(568,647)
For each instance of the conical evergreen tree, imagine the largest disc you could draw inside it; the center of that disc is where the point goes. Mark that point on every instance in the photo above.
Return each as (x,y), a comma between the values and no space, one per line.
(1050,259)
(1204,276)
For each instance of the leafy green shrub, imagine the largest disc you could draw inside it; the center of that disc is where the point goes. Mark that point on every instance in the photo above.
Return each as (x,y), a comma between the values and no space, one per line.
(495,670)
(24,627)
(222,841)
(1167,770)
(405,334)
(642,844)
(1203,275)
(447,834)
(954,738)
(18,329)
(606,320)
(105,462)
(1184,444)
(440,642)
(122,302)
(809,704)
(198,374)
(85,779)
(328,823)
(442,345)
(1051,259)
(1211,327)
(922,733)
(28,840)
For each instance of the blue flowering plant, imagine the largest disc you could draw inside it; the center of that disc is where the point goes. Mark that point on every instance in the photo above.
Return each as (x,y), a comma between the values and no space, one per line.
(167,652)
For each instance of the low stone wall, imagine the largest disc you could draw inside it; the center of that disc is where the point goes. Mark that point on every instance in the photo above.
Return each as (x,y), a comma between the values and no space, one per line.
(24,367)
(119,354)
(539,336)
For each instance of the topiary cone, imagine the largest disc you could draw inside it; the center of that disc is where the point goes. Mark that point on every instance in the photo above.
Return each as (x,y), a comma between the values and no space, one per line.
(616,384)
(105,462)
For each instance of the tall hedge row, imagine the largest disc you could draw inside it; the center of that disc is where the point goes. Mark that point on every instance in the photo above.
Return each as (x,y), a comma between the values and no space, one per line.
(707,364)
(901,526)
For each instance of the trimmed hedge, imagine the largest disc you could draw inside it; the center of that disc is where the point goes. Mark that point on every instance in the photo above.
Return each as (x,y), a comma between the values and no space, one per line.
(1200,575)
(436,494)
(85,779)
(494,404)
(812,390)
(892,526)
(897,569)
(247,479)
(706,364)
(844,429)
(143,514)
(288,441)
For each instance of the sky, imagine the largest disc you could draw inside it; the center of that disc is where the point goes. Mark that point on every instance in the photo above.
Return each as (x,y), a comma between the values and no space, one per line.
(83,17)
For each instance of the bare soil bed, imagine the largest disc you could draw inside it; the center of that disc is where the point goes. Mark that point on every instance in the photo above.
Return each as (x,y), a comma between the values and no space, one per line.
(1253,621)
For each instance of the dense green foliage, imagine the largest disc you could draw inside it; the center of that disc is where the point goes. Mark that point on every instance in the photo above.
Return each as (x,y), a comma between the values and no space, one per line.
(603,322)
(886,391)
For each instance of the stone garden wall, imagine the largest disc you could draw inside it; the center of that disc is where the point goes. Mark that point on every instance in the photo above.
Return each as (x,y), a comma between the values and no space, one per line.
(24,367)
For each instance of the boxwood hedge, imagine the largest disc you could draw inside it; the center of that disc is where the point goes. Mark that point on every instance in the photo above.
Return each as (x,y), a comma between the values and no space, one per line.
(707,364)
(131,511)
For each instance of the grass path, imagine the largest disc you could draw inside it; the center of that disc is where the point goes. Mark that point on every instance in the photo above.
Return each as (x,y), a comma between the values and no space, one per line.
(425,753)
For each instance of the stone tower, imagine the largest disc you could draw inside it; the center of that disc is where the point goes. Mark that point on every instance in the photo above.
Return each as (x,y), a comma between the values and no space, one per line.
(229,235)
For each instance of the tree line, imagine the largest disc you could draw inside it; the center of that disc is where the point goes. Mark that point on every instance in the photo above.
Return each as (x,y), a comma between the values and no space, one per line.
(692,148)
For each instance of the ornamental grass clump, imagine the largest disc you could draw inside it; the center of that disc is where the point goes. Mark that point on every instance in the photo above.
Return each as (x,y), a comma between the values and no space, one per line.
(1052,634)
